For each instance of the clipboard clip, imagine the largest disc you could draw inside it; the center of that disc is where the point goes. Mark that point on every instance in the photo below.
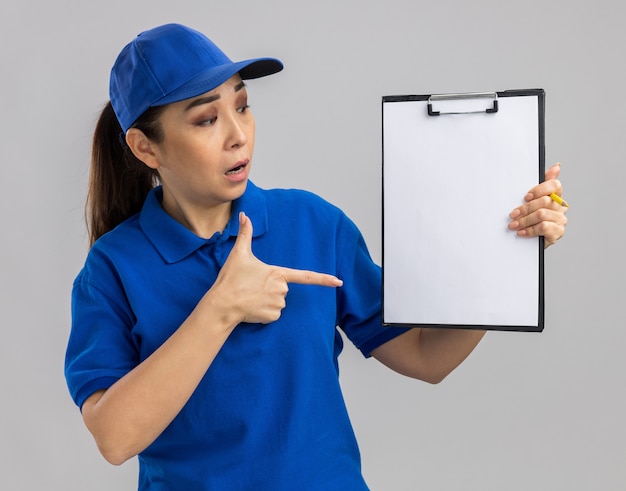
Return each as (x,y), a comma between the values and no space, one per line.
(465,96)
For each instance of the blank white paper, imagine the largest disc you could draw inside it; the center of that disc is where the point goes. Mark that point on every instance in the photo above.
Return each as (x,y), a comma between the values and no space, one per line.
(449,184)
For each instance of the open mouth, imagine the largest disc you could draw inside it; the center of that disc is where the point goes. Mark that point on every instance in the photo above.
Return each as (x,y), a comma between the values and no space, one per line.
(239,168)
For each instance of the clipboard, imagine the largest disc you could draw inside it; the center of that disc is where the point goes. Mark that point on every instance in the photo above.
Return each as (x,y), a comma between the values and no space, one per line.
(454,167)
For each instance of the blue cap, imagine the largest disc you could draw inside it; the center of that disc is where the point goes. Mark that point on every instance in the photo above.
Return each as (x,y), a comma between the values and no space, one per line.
(171,63)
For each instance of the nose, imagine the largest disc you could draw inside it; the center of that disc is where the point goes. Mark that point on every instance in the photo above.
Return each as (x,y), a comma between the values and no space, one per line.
(236,134)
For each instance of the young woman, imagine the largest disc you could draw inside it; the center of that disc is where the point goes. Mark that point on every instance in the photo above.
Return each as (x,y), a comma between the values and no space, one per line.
(204,322)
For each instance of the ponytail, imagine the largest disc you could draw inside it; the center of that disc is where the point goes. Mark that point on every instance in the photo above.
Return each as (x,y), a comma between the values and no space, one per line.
(118,181)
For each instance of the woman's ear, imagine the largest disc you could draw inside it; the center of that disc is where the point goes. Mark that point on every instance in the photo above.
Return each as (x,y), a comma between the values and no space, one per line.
(142,147)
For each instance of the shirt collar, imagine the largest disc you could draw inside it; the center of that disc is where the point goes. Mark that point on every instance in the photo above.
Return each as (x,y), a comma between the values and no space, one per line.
(174,241)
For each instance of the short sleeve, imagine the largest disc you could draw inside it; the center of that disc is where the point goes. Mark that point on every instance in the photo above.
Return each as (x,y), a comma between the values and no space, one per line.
(100,348)
(360,297)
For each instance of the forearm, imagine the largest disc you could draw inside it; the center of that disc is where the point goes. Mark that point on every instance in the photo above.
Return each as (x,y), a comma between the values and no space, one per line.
(428,354)
(132,413)
(442,350)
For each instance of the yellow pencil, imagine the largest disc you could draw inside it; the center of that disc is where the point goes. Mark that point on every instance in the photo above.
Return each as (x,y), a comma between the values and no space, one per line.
(558,199)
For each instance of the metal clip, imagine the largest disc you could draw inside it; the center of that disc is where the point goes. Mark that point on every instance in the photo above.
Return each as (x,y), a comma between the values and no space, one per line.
(465,96)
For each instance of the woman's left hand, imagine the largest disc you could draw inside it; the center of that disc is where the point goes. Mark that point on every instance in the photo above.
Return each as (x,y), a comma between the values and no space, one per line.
(541,215)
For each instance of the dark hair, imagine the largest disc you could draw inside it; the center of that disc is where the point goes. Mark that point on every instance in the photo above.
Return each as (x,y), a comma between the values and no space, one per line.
(118,181)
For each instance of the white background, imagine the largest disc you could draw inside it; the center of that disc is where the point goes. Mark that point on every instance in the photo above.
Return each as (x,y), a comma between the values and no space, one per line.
(525,411)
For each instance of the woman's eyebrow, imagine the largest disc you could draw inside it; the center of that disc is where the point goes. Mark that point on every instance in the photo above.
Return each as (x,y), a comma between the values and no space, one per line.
(211,98)
(202,100)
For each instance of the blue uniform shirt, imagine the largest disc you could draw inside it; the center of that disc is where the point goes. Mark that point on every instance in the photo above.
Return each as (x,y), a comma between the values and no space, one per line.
(269,413)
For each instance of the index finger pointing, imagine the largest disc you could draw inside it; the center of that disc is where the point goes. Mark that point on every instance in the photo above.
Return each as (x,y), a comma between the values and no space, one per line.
(305,277)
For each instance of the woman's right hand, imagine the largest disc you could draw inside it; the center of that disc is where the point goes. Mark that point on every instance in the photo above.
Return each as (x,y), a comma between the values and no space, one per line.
(253,291)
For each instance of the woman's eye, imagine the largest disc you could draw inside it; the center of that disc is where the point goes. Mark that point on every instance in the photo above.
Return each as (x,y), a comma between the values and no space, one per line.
(243,109)
(207,122)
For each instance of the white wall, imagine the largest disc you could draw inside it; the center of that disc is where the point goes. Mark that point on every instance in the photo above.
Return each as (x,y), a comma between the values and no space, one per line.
(526,411)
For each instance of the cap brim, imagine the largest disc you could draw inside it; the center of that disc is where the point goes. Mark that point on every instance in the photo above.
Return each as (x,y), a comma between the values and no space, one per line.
(216,76)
